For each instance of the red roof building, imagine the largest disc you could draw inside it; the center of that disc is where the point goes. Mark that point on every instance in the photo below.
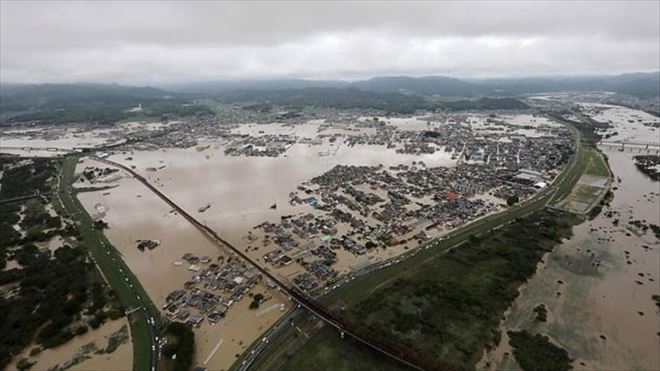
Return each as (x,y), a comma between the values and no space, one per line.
(452,195)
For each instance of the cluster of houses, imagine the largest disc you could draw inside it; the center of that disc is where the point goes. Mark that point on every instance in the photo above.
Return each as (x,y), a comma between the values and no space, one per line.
(264,145)
(361,208)
(376,207)
(317,260)
(306,281)
(211,291)
(277,258)
(93,174)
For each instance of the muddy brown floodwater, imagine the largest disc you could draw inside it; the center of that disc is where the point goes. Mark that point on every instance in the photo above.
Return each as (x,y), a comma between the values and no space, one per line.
(120,359)
(240,191)
(133,212)
(598,285)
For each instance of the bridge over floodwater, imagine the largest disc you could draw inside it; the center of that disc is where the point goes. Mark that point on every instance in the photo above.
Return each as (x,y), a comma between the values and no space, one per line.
(45,149)
(632,146)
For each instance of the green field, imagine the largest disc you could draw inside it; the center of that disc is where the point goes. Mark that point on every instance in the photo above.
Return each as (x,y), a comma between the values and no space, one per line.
(583,196)
(93,238)
(332,353)
(595,163)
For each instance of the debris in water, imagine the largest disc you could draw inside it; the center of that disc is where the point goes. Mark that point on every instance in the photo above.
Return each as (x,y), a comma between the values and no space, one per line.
(149,244)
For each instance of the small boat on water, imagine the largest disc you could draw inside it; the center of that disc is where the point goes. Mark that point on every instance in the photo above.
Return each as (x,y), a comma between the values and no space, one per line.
(204,208)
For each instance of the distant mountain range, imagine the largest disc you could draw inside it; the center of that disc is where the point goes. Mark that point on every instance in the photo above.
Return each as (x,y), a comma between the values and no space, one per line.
(91,103)
(640,84)
(19,97)
(401,94)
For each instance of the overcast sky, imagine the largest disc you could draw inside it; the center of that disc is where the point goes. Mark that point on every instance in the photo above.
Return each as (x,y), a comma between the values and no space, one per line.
(152,42)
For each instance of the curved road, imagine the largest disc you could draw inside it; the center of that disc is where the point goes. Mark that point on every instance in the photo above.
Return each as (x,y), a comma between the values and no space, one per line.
(150,320)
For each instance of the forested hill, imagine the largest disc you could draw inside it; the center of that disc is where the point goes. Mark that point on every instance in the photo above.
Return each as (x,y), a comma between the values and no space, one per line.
(107,103)
(639,84)
(100,103)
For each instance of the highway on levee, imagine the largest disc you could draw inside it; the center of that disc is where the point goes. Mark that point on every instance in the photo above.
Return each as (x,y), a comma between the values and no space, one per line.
(140,303)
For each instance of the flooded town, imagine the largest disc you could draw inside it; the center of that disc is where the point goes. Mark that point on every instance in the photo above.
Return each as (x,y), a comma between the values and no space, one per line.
(311,201)
(294,186)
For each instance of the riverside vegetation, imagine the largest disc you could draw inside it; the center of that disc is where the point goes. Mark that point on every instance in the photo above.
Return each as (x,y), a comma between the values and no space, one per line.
(535,352)
(48,295)
(649,165)
(180,342)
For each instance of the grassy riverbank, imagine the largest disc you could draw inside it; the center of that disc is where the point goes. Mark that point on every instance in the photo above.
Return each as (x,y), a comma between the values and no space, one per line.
(331,353)
(448,307)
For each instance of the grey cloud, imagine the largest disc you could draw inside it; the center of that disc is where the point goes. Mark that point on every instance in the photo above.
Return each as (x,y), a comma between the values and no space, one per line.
(148,42)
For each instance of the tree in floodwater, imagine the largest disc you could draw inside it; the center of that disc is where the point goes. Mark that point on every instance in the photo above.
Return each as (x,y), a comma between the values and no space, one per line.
(535,352)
